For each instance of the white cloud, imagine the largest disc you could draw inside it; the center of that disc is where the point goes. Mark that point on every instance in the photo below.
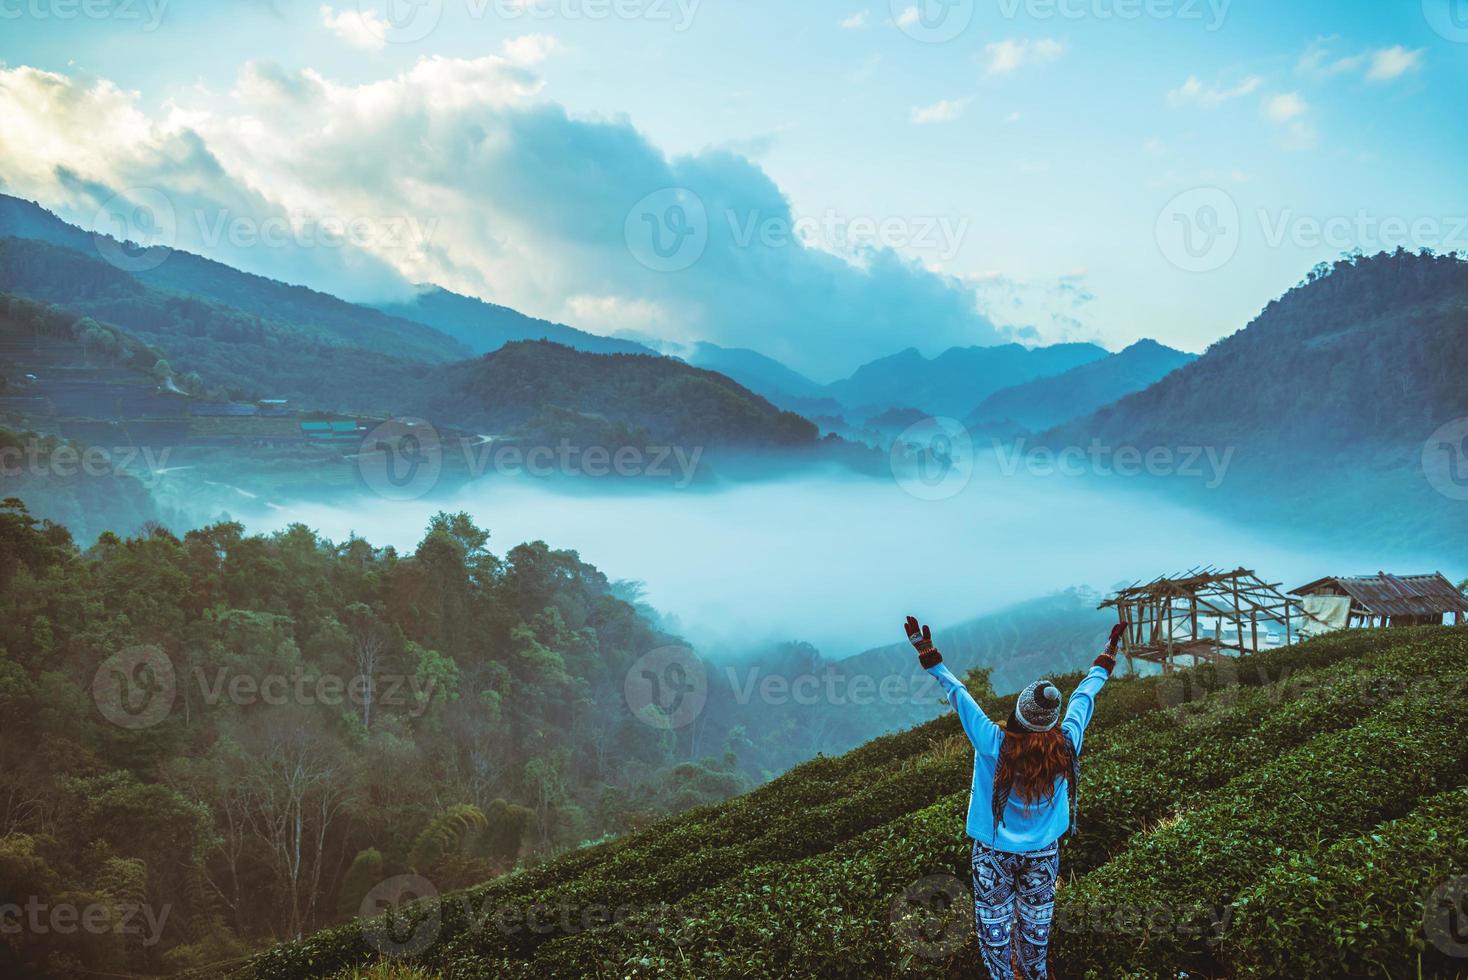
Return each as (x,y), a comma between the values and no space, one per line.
(1380,65)
(610,314)
(530,49)
(1392,63)
(522,203)
(944,110)
(1285,107)
(908,17)
(1011,54)
(1013,118)
(1288,112)
(855,21)
(363,29)
(1320,63)
(1195,92)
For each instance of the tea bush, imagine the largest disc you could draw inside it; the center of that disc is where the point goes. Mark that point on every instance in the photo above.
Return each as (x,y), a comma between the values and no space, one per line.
(1216,803)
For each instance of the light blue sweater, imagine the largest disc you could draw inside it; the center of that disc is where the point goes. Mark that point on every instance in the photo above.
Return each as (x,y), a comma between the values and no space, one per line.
(1043,823)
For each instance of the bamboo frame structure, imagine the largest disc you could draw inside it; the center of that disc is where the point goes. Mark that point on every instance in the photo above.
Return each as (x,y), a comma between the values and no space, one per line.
(1166,616)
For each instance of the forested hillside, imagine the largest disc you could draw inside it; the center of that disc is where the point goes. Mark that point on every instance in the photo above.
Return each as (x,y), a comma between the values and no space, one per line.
(252,731)
(314,313)
(600,399)
(61,482)
(1329,405)
(1295,813)
(1365,353)
(240,353)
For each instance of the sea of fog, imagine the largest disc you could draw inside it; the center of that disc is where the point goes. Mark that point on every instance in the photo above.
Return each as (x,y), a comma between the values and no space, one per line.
(837,560)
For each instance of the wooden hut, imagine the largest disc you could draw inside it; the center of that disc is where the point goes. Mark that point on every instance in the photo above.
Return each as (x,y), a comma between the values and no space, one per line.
(1204,615)
(1392,600)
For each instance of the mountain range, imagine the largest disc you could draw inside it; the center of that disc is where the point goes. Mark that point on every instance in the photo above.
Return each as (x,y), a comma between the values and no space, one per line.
(247,336)
(1325,402)
(1047,402)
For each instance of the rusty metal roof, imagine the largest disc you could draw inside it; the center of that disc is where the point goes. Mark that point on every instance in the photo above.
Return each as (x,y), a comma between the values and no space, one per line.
(1396,595)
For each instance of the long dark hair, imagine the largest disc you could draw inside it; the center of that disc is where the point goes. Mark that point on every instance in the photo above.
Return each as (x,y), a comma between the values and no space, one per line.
(1030,763)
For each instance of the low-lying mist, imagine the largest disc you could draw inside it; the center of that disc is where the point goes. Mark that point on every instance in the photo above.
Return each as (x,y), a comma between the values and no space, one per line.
(837,560)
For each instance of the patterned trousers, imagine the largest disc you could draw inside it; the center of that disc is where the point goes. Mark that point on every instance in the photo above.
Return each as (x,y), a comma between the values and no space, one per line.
(1014,891)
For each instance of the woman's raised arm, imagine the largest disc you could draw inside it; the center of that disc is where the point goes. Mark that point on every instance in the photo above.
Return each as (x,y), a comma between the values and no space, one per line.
(981,731)
(1083,700)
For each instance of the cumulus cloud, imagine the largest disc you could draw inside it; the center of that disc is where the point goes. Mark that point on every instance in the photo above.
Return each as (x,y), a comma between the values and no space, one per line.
(1194,92)
(855,21)
(467,177)
(944,110)
(363,29)
(1011,54)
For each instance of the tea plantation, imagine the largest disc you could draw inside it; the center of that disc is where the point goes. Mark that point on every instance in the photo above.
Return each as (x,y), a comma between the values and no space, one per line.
(1301,812)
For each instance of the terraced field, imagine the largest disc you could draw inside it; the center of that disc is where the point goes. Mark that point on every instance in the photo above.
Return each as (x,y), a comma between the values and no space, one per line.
(1301,812)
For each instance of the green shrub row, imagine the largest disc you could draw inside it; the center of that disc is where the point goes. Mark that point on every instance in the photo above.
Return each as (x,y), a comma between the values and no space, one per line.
(1163,902)
(1381,903)
(725,935)
(1155,764)
(855,829)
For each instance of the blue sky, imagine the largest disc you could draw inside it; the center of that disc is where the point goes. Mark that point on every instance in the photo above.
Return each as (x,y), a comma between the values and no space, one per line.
(1056,169)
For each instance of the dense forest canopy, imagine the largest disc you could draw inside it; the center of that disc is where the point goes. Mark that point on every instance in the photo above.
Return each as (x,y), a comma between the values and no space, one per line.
(330,714)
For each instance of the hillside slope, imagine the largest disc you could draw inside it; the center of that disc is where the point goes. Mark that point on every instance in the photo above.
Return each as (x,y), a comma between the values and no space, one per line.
(1366,354)
(956,380)
(1046,402)
(1331,406)
(316,312)
(765,376)
(1285,814)
(483,327)
(554,390)
(247,354)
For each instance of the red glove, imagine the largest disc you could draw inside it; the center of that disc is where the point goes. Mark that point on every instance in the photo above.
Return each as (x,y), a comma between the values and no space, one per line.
(922,641)
(1117,632)
(1107,658)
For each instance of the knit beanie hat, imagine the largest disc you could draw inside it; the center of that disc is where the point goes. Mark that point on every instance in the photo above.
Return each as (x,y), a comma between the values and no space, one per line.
(1038,707)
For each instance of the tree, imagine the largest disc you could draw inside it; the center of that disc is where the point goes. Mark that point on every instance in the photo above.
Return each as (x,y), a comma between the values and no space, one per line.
(295,787)
(369,641)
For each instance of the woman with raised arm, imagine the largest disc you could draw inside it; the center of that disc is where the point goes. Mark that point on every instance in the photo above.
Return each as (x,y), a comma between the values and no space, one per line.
(1022,800)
